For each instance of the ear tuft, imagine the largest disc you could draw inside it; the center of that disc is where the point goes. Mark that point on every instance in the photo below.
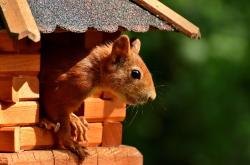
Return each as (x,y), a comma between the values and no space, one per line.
(121,48)
(136,46)
(122,44)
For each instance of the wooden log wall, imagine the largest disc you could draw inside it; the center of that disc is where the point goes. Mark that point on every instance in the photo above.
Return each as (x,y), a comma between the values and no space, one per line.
(19,112)
(19,93)
(121,155)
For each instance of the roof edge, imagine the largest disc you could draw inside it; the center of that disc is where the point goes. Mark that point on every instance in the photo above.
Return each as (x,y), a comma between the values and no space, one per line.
(162,11)
(19,19)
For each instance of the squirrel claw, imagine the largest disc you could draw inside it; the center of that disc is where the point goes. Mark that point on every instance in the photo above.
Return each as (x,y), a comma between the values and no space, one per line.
(79,127)
(74,147)
(45,123)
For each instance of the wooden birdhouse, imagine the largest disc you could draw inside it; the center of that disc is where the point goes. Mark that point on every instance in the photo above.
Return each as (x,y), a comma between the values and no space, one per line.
(27,27)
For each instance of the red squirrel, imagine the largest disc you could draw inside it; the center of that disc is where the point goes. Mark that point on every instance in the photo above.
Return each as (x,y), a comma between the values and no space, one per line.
(67,78)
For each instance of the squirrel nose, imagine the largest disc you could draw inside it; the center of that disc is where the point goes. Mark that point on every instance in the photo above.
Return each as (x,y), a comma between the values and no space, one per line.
(152,96)
(150,99)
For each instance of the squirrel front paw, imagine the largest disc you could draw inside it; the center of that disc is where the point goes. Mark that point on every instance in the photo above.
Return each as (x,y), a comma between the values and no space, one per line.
(79,127)
(78,124)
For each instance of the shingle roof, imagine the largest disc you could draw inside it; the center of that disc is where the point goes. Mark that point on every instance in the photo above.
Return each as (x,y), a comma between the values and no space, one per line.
(102,15)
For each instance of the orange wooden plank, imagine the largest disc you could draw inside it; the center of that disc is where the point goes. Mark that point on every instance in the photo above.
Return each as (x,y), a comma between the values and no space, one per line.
(35,138)
(134,156)
(91,159)
(21,113)
(27,46)
(26,158)
(99,110)
(7,43)
(5,159)
(94,134)
(37,157)
(64,157)
(44,157)
(19,19)
(22,88)
(39,138)
(167,14)
(26,138)
(7,93)
(9,139)
(99,156)
(27,87)
(121,155)
(28,64)
(105,156)
(10,44)
(112,134)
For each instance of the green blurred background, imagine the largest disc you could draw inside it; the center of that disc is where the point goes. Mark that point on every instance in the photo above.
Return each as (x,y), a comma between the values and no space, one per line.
(202,112)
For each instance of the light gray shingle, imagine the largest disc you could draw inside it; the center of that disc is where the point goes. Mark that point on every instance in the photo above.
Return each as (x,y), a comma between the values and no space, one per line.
(103,15)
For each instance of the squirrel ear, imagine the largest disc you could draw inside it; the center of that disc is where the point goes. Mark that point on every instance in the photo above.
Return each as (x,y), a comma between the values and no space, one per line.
(136,46)
(121,48)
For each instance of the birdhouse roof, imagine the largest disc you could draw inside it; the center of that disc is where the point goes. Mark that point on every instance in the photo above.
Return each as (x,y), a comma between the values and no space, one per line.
(81,15)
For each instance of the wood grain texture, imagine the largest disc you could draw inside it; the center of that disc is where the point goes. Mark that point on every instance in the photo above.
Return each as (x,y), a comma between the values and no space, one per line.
(99,110)
(92,158)
(94,134)
(27,46)
(19,19)
(27,87)
(21,113)
(134,156)
(105,156)
(21,88)
(64,157)
(7,92)
(25,64)
(7,43)
(121,155)
(98,156)
(10,44)
(39,138)
(35,138)
(167,14)
(112,134)
(9,139)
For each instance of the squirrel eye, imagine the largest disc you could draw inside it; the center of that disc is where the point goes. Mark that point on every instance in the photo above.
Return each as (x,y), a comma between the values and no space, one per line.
(136,74)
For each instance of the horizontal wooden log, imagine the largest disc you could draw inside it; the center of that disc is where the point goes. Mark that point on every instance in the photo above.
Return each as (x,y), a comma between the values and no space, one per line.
(94,135)
(25,64)
(7,43)
(26,46)
(112,134)
(28,138)
(21,113)
(122,155)
(35,138)
(27,87)
(105,156)
(9,139)
(21,88)
(7,92)
(99,110)
(10,44)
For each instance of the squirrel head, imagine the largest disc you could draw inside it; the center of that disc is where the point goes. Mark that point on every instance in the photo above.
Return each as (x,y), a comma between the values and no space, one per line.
(125,72)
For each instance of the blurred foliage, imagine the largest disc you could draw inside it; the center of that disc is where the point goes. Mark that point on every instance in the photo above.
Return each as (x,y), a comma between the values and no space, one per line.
(202,112)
